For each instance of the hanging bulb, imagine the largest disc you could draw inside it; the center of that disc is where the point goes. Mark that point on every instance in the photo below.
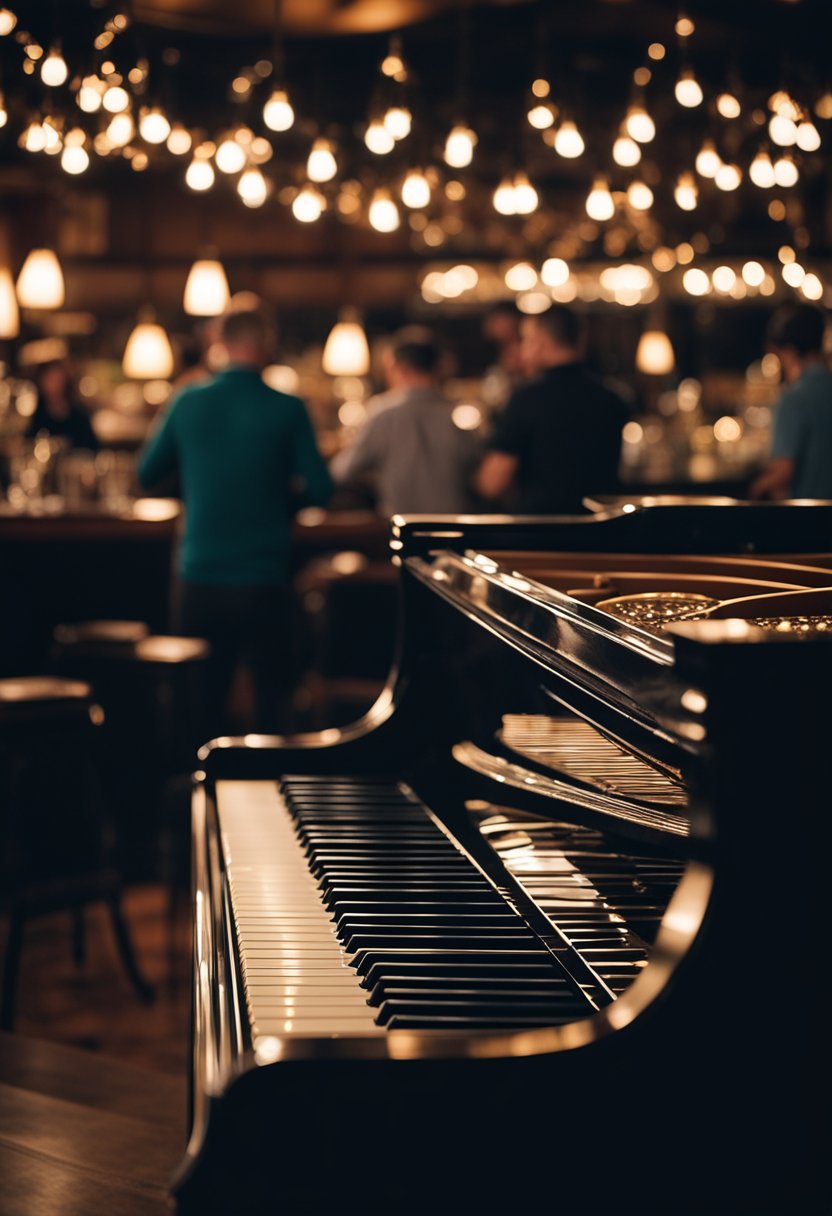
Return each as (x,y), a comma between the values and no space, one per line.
(554,272)
(346,352)
(53,71)
(116,99)
(728,105)
(415,189)
(599,202)
(206,289)
(120,130)
(278,114)
(708,160)
(541,116)
(378,139)
(8,20)
(308,205)
(154,128)
(568,141)
(526,198)
(179,140)
(688,89)
(685,192)
(626,152)
(75,158)
(33,138)
(52,136)
(724,279)
(9,312)
(398,121)
(654,353)
(823,105)
(785,172)
(230,156)
(639,125)
(808,136)
(199,174)
(383,214)
(40,283)
(728,177)
(321,165)
(252,188)
(503,198)
(148,354)
(459,147)
(782,131)
(639,196)
(761,171)
(88,97)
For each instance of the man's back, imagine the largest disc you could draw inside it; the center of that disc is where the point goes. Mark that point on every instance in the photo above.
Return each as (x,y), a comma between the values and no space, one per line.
(238,446)
(803,432)
(564,428)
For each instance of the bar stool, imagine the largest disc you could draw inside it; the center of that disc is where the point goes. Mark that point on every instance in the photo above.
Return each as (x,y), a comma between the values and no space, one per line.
(56,851)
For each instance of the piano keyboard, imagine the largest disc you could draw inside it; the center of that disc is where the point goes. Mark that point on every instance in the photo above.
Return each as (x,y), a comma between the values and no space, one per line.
(356,913)
(577,750)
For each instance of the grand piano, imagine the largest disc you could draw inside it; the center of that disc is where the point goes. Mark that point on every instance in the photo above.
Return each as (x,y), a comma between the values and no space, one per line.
(544,932)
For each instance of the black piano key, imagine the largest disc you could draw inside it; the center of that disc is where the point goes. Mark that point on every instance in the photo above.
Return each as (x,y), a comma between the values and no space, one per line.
(449,1023)
(360,943)
(364,960)
(391,1011)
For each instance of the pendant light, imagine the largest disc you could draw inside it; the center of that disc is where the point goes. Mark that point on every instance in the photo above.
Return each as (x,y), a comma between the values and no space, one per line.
(40,283)
(206,289)
(654,354)
(9,312)
(148,354)
(346,352)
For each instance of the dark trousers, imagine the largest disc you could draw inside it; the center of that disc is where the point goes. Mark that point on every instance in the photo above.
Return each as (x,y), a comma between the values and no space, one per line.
(250,625)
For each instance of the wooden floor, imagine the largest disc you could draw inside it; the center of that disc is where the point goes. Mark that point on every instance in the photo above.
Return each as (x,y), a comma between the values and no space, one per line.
(94,1007)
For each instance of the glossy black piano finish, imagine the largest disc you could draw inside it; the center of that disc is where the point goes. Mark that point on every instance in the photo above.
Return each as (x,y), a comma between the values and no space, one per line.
(658,1047)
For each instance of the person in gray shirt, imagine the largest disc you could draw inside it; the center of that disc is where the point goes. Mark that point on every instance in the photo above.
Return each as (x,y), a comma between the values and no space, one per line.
(410,451)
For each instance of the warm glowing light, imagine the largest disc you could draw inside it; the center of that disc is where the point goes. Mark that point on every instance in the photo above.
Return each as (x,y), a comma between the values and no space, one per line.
(785,172)
(599,202)
(793,274)
(206,289)
(685,192)
(569,142)
(199,174)
(40,283)
(116,99)
(786,254)
(554,272)
(656,51)
(526,197)
(415,189)
(383,214)
(321,165)
(541,117)
(521,277)
(8,20)
(398,120)
(9,312)
(724,279)
(728,177)
(503,198)
(74,159)
(467,417)
(179,140)
(812,287)
(684,27)
(308,205)
(154,127)
(346,352)
(808,136)
(708,160)
(761,171)
(639,125)
(4,114)
(639,196)
(33,138)
(278,114)
(782,131)
(696,282)
(626,152)
(230,156)
(148,354)
(120,130)
(823,105)
(541,87)
(459,147)
(688,89)
(378,139)
(53,70)
(533,303)
(89,95)
(728,105)
(664,258)
(753,274)
(727,429)
(252,188)
(685,253)
(654,355)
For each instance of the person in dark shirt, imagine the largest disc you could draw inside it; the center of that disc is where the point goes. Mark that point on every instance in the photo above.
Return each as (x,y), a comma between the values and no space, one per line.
(57,411)
(246,456)
(559,437)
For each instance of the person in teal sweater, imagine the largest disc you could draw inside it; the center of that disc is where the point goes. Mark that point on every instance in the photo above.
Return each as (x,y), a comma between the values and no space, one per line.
(246,457)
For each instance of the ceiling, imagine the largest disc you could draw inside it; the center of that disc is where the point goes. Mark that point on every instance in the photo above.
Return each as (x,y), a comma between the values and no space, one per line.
(296,16)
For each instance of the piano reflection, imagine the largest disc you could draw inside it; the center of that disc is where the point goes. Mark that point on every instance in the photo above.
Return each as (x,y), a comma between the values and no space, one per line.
(544,932)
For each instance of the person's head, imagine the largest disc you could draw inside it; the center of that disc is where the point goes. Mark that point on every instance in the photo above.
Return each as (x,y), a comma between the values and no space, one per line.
(53,378)
(795,334)
(413,357)
(501,324)
(246,331)
(550,339)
